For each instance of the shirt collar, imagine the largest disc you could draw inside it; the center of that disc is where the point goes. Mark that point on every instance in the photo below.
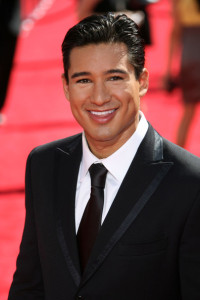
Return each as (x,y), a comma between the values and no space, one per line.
(124,155)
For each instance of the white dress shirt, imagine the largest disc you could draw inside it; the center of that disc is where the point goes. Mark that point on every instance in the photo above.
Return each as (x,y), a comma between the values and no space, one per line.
(117,165)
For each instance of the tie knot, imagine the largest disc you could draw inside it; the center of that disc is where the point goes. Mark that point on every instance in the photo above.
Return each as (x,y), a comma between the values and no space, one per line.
(98,175)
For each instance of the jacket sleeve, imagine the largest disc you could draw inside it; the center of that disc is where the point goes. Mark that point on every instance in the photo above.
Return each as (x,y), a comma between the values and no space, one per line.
(190,255)
(27,280)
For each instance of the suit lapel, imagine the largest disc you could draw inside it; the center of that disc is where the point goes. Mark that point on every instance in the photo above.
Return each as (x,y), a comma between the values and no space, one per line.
(67,167)
(142,179)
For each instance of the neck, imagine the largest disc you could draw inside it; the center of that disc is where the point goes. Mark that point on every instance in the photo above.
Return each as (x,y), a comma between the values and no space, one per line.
(103,149)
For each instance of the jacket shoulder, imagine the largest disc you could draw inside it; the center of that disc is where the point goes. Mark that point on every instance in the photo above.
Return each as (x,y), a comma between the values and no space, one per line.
(65,145)
(183,159)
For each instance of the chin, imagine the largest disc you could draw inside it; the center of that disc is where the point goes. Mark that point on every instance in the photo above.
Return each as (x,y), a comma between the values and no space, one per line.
(101,137)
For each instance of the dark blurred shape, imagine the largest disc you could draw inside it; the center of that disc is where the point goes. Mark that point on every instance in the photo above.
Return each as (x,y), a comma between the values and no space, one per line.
(185,36)
(9,30)
(133,5)
(135,9)
(171,83)
(198,2)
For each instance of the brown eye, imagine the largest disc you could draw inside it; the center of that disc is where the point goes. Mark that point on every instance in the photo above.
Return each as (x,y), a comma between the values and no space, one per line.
(84,80)
(114,78)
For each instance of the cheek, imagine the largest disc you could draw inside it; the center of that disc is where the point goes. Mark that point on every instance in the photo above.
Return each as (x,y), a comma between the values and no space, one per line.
(75,97)
(79,97)
(77,109)
(134,94)
(130,100)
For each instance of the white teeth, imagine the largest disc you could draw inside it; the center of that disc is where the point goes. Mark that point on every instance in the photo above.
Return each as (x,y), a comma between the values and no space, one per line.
(101,113)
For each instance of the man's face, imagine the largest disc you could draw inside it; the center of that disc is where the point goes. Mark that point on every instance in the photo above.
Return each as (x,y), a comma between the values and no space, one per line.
(104,94)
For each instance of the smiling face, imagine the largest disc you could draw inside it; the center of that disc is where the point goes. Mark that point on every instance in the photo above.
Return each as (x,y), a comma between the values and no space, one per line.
(104,95)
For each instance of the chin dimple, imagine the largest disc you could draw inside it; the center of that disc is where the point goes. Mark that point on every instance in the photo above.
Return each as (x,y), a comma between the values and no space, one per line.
(102,113)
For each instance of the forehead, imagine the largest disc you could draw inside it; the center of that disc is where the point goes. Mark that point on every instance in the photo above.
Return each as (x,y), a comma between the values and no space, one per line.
(104,55)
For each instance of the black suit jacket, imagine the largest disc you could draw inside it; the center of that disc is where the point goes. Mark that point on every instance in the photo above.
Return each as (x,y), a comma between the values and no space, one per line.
(148,247)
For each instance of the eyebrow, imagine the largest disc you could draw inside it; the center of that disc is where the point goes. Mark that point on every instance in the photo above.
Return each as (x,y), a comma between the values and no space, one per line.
(116,71)
(79,74)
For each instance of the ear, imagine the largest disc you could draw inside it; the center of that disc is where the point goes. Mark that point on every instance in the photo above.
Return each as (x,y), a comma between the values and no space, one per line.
(65,87)
(143,82)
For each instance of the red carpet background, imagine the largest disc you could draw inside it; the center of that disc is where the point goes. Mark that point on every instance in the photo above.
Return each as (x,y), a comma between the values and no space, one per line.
(37,112)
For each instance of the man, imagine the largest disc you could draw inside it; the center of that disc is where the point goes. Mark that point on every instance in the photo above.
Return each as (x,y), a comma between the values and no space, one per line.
(148,244)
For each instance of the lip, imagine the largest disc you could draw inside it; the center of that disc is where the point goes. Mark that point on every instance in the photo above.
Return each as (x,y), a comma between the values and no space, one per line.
(102,116)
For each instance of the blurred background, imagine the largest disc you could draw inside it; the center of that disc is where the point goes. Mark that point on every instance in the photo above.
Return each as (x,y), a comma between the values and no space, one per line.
(34,110)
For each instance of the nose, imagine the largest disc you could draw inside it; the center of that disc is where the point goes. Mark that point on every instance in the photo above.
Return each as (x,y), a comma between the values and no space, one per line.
(100,94)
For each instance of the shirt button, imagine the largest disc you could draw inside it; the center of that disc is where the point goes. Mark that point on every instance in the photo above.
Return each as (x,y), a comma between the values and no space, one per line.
(79,297)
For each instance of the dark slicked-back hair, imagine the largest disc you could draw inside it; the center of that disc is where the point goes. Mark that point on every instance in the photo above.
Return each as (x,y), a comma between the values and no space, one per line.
(108,28)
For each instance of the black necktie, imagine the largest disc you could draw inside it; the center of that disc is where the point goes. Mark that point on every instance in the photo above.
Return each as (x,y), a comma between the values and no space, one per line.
(91,220)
